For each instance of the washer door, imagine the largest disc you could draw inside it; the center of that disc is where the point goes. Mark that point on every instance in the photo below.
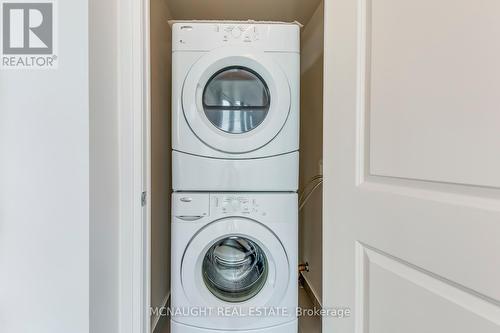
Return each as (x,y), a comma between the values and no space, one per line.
(235,262)
(234,101)
(235,269)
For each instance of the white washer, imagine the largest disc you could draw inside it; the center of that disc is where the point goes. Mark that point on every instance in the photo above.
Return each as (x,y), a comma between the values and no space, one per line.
(234,262)
(235,105)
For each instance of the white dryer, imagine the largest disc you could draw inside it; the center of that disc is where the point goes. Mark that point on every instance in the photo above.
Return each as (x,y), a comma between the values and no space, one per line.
(234,263)
(235,105)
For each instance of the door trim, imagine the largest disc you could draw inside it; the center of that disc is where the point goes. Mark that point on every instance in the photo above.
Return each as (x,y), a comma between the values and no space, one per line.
(134,172)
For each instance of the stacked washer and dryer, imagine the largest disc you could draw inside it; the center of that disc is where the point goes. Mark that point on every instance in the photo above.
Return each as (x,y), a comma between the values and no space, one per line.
(235,177)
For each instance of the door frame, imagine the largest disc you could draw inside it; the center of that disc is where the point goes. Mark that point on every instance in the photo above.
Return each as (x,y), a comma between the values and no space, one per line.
(134,103)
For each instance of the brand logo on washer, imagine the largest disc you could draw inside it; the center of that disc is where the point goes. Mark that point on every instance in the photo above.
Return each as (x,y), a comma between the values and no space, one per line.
(28,31)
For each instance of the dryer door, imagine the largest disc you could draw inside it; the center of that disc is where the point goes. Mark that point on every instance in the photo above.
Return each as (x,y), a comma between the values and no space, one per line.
(235,262)
(236,101)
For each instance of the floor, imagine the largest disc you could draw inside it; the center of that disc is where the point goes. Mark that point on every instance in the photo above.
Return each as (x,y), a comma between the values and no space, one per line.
(306,324)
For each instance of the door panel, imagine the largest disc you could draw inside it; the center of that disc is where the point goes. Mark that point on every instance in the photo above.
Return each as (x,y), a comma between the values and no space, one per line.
(433,90)
(411,199)
(401,297)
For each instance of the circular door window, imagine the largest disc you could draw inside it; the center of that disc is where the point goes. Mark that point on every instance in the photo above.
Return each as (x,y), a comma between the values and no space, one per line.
(235,269)
(236,103)
(236,100)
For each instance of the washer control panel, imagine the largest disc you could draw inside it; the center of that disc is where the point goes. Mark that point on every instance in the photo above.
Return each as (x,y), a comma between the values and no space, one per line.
(236,204)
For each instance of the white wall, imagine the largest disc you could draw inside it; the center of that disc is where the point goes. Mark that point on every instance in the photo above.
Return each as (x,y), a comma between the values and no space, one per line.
(104,166)
(44,188)
(262,10)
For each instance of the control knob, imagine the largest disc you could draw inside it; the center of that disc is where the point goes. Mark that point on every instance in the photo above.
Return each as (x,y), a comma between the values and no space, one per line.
(236,33)
(235,205)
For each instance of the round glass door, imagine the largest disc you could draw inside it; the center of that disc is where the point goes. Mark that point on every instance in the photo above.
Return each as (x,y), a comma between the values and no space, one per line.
(236,100)
(236,103)
(235,269)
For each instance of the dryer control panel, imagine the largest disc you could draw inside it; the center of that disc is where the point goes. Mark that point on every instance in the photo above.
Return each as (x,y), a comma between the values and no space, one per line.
(207,36)
(247,33)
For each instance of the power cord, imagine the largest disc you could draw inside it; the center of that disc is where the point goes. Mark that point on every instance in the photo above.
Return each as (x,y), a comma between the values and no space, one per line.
(305,194)
(309,182)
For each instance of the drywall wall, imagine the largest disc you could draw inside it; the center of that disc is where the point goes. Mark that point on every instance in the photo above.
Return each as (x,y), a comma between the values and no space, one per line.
(44,187)
(311,147)
(161,53)
(264,10)
(104,167)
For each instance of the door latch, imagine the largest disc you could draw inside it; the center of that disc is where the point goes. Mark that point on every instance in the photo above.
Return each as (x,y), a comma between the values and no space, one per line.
(144,199)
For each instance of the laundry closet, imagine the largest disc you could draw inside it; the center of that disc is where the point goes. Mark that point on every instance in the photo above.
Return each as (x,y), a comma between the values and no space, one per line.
(309,16)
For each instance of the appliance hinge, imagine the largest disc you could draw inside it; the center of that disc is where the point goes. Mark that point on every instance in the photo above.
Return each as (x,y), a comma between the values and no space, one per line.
(144,198)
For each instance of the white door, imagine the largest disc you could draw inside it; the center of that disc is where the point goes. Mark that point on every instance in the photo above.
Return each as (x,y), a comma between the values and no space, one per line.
(412,165)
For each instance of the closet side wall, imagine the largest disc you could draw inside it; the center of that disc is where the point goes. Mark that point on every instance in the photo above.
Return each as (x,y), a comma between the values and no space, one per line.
(161,46)
(311,147)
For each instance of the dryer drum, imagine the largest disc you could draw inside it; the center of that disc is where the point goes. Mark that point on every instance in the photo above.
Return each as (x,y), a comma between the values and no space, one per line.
(235,269)
(236,99)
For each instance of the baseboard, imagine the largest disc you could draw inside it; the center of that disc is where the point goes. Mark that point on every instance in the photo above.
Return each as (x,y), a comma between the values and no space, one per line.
(155,318)
(313,296)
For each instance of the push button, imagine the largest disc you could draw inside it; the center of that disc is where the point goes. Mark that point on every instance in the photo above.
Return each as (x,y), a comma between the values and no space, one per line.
(235,205)
(236,33)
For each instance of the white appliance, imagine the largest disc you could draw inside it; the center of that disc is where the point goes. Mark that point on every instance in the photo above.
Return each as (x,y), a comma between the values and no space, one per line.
(234,253)
(235,104)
